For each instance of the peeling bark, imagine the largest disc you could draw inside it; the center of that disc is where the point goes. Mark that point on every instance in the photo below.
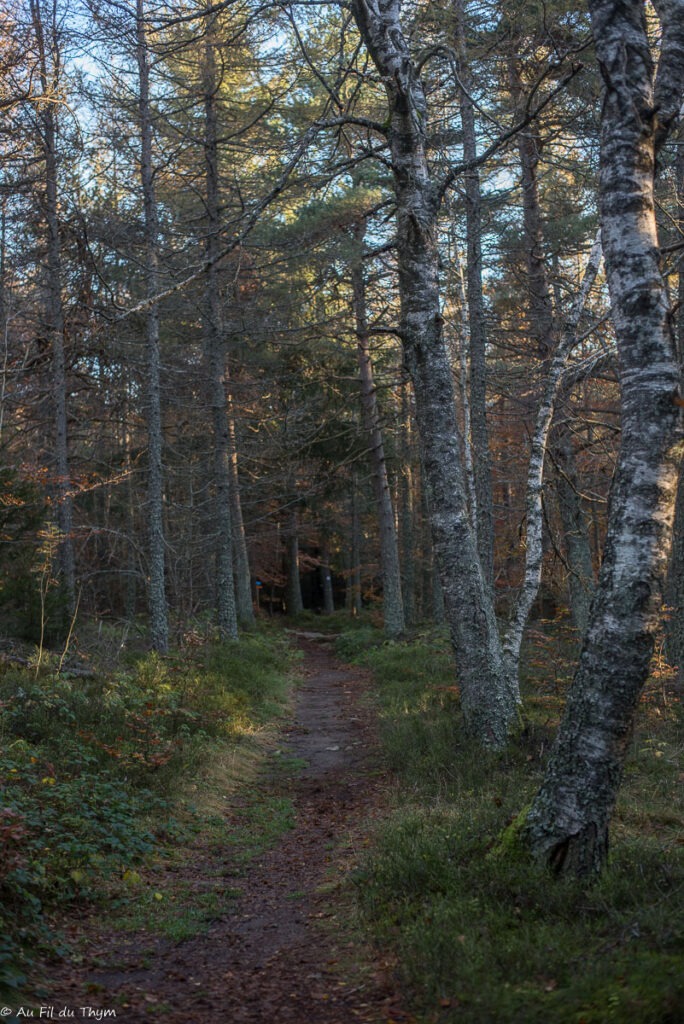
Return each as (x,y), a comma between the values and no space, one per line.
(567,826)
(54,312)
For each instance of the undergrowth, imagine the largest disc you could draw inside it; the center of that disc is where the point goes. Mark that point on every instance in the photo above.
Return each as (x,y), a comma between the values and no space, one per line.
(95,772)
(481,938)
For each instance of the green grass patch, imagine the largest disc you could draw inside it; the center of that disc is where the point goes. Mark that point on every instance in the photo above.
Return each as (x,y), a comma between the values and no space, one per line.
(97,775)
(482,937)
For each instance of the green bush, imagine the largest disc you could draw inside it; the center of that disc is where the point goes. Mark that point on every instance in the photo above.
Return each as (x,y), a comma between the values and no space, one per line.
(482,936)
(90,769)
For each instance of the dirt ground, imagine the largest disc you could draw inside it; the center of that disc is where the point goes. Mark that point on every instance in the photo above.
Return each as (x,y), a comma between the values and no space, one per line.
(276,953)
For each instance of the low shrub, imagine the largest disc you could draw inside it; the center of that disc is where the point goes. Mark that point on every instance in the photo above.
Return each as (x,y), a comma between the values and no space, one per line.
(482,935)
(90,770)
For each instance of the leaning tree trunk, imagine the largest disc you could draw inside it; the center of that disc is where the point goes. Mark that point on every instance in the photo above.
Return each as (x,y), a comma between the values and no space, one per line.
(567,826)
(159,628)
(392,603)
(489,703)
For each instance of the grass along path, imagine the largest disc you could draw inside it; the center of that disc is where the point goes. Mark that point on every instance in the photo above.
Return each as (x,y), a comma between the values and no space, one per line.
(242,925)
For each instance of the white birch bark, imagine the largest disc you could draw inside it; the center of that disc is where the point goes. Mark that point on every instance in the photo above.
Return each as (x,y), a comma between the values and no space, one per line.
(513,634)
(487,698)
(567,826)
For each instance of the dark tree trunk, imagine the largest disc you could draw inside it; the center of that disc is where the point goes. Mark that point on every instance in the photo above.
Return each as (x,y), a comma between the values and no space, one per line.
(241,570)
(574,521)
(675,581)
(226,610)
(392,604)
(54,313)
(477,331)
(326,579)
(159,628)
(293,587)
(407,533)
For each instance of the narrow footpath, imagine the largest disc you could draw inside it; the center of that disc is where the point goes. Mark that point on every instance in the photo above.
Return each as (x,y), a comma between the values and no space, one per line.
(276,954)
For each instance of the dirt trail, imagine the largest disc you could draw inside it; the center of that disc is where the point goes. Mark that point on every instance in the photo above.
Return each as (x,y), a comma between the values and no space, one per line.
(273,954)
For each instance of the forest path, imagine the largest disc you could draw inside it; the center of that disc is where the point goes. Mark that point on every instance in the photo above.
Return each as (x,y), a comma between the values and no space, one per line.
(274,952)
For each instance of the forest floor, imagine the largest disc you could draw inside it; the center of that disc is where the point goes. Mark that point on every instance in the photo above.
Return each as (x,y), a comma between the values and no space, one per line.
(278,945)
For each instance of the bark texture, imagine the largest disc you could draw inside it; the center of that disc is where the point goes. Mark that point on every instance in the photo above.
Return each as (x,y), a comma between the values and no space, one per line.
(535,475)
(567,826)
(392,603)
(477,332)
(575,533)
(241,570)
(49,74)
(159,629)
(488,700)
(675,583)
(293,587)
(226,610)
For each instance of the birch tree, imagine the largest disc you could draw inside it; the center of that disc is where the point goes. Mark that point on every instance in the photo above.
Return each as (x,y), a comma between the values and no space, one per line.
(489,700)
(567,826)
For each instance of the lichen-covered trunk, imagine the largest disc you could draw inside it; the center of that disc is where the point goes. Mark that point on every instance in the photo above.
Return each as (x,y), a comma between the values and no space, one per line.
(392,603)
(488,701)
(159,629)
(567,826)
(226,610)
